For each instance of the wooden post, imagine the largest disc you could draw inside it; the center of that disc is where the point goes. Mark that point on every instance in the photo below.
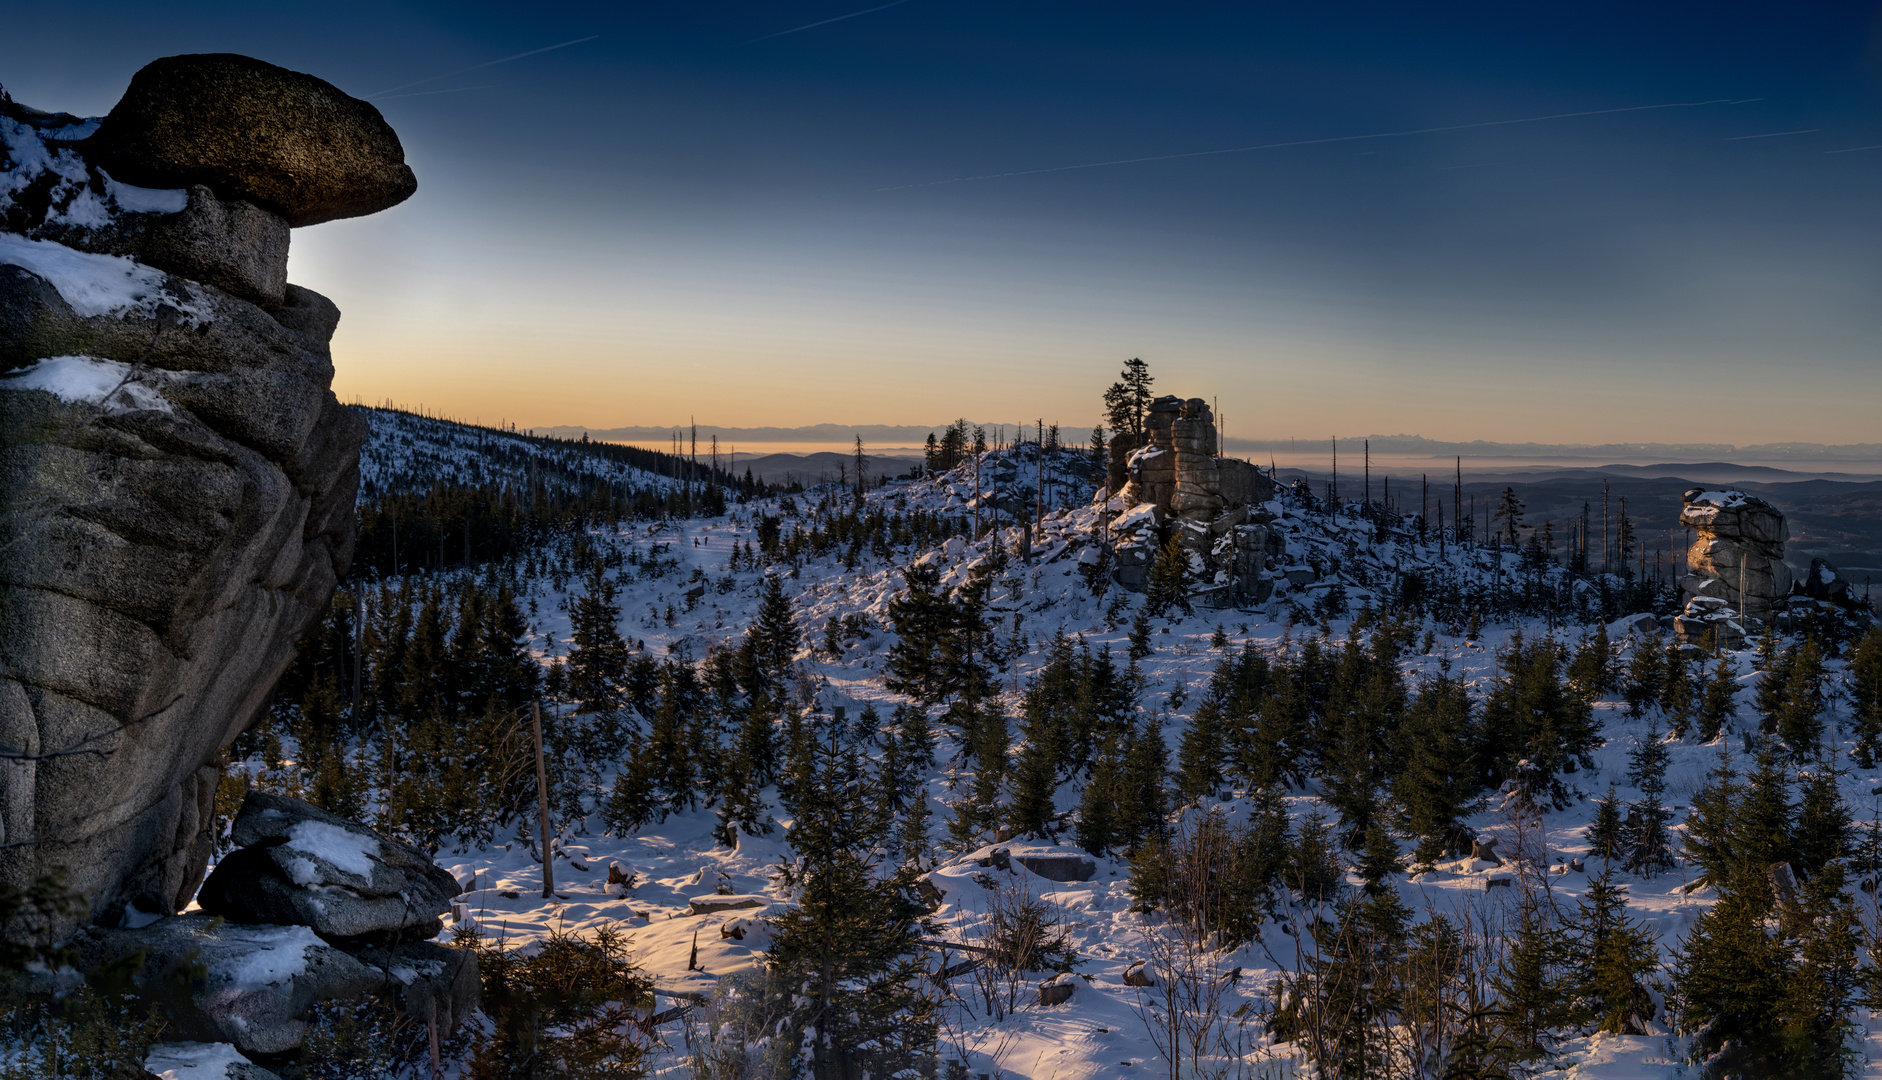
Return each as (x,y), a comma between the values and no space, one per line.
(542,802)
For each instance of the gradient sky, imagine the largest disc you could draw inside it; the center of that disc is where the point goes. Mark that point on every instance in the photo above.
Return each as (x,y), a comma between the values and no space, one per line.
(676,219)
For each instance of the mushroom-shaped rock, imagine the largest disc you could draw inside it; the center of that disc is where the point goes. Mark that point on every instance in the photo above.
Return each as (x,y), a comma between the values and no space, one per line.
(285,141)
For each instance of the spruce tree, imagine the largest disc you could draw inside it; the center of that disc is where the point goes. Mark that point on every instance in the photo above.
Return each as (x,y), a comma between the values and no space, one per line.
(1438,783)
(1617,957)
(1140,634)
(1534,979)
(1646,673)
(1099,828)
(1799,715)
(1774,664)
(1533,716)
(1607,836)
(1865,691)
(1649,851)
(597,660)
(1823,833)
(1592,669)
(1378,857)
(1142,802)
(848,960)
(1717,699)
(1169,580)
(1676,693)
(1034,781)
(774,634)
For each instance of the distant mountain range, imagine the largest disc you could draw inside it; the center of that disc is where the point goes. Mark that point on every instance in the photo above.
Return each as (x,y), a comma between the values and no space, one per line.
(1814,454)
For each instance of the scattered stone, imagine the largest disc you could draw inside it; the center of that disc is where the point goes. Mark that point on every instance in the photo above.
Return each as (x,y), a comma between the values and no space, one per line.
(1058,989)
(1577,866)
(1137,974)
(291,143)
(1496,883)
(1484,851)
(706,905)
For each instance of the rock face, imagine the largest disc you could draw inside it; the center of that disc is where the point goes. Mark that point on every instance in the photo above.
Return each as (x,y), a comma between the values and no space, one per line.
(298,864)
(1176,485)
(176,477)
(287,142)
(1740,542)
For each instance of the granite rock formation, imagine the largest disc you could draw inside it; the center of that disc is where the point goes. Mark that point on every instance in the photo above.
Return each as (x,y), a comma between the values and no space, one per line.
(1177,484)
(1740,545)
(176,477)
(297,864)
(290,143)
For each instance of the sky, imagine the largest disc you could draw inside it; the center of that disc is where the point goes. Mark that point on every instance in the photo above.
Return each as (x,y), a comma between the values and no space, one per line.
(1561,223)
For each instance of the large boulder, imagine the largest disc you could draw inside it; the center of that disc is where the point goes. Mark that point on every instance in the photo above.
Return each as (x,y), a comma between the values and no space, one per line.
(249,985)
(252,986)
(298,864)
(284,141)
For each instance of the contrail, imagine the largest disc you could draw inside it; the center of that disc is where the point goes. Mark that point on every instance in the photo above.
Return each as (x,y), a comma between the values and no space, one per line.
(485,64)
(1320,142)
(1773,134)
(826,22)
(1853,149)
(426,93)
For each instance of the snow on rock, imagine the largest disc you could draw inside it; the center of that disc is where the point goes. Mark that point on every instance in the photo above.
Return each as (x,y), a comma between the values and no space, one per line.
(103,284)
(348,849)
(201,1061)
(91,380)
(279,954)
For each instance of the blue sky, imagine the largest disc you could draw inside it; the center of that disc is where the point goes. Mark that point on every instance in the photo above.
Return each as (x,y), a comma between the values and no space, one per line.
(686,216)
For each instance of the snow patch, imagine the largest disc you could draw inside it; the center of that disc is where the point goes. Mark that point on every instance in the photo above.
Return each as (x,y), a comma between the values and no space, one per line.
(99,284)
(193,1060)
(143,200)
(350,851)
(90,380)
(280,954)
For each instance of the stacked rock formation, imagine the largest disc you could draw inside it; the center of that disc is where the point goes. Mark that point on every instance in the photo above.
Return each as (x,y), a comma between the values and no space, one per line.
(1176,484)
(1740,546)
(296,864)
(176,477)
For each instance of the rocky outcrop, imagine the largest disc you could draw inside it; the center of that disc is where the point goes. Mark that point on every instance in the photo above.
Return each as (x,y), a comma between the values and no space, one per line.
(176,477)
(1740,545)
(1824,595)
(297,864)
(1177,485)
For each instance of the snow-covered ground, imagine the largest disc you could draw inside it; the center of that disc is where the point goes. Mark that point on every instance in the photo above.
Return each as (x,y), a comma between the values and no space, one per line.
(1103,1028)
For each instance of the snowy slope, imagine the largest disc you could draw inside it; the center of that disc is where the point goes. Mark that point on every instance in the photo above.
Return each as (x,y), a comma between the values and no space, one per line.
(1103,1029)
